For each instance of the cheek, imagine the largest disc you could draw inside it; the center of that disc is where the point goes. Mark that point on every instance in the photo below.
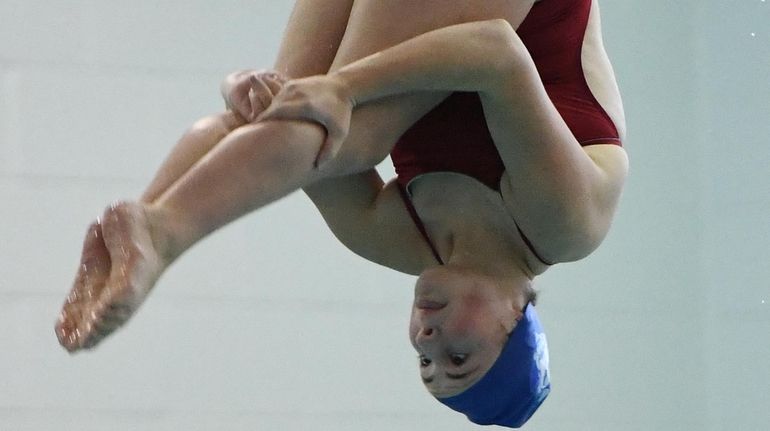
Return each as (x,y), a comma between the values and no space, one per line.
(473,318)
(471,314)
(464,326)
(473,303)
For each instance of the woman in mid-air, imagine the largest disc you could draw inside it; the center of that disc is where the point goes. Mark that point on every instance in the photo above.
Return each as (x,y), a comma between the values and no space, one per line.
(504,123)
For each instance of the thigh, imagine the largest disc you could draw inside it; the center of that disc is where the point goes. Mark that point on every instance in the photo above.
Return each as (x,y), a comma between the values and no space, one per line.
(375,24)
(375,128)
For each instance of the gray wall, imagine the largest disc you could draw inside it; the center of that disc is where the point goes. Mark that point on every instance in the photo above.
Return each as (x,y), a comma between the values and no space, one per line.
(270,324)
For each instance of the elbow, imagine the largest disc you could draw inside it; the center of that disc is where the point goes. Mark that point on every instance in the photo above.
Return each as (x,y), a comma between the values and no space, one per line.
(582,235)
(585,241)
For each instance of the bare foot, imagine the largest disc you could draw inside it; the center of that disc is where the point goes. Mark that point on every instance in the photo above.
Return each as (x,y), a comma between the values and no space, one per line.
(102,301)
(89,282)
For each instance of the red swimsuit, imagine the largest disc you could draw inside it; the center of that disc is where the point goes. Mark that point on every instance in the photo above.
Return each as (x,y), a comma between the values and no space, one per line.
(454,135)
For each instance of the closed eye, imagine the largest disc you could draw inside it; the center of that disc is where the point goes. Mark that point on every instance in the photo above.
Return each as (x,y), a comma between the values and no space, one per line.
(451,376)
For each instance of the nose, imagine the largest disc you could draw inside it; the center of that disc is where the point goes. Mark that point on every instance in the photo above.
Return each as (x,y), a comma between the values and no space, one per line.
(425,335)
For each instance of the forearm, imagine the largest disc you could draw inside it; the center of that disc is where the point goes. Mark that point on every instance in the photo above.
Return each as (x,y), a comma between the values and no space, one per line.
(464,57)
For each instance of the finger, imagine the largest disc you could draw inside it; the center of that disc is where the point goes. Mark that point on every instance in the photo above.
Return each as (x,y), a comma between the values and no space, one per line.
(324,155)
(273,84)
(244,108)
(239,102)
(258,84)
(230,84)
(256,104)
(284,111)
(260,96)
(329,149)
(335,136)
(237,98)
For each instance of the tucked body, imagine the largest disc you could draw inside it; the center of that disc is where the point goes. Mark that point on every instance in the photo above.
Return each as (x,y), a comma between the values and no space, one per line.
(505,123)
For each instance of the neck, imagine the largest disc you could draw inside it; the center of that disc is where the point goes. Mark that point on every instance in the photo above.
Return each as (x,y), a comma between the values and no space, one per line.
(488,251)
(490,257)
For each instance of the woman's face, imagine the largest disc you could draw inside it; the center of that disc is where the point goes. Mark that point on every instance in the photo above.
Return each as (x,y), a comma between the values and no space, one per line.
(459,325)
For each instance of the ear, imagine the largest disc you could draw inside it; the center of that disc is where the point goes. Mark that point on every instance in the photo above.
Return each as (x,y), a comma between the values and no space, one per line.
(513,317)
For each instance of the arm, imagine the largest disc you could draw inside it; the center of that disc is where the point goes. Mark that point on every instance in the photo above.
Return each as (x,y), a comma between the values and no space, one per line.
(370,219)
(464,57)
(567,215)
(363,213)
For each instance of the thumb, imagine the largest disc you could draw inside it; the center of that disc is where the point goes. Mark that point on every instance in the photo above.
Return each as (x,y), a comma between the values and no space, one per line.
(330,148)
(282,111)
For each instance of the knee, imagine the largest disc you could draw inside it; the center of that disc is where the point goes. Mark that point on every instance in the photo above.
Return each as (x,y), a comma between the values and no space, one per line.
(216,126)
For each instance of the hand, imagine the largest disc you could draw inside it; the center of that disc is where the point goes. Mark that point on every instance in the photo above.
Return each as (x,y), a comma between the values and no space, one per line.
(321,99)
(249,92)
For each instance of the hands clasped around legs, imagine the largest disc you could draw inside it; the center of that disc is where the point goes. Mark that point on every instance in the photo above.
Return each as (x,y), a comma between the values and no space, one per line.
(322,99)
(249,92)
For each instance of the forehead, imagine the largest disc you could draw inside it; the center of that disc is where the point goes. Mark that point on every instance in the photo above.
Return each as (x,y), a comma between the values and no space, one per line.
(445,387)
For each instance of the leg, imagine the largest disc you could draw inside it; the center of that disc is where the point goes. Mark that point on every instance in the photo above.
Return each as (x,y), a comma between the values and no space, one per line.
(260,163)
(252,166)
(312,25)
(194,144)
(96,263)
(122,259)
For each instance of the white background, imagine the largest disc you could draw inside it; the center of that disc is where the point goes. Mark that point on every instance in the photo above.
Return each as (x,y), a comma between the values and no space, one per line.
(270,324)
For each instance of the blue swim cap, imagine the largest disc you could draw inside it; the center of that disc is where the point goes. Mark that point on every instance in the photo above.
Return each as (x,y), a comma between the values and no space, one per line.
(516,385)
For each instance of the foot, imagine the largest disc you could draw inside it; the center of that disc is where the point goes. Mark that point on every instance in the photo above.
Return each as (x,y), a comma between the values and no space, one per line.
(89,282)
(121,267)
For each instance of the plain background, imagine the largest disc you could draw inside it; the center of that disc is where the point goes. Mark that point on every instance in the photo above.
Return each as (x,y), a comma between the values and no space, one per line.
(270,324)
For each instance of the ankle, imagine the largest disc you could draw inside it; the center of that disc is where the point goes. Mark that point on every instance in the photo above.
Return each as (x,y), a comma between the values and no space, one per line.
(166,232)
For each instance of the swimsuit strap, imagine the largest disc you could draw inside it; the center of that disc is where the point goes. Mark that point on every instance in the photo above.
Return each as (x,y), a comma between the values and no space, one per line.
(532,247)
(421,227)
(418,222)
